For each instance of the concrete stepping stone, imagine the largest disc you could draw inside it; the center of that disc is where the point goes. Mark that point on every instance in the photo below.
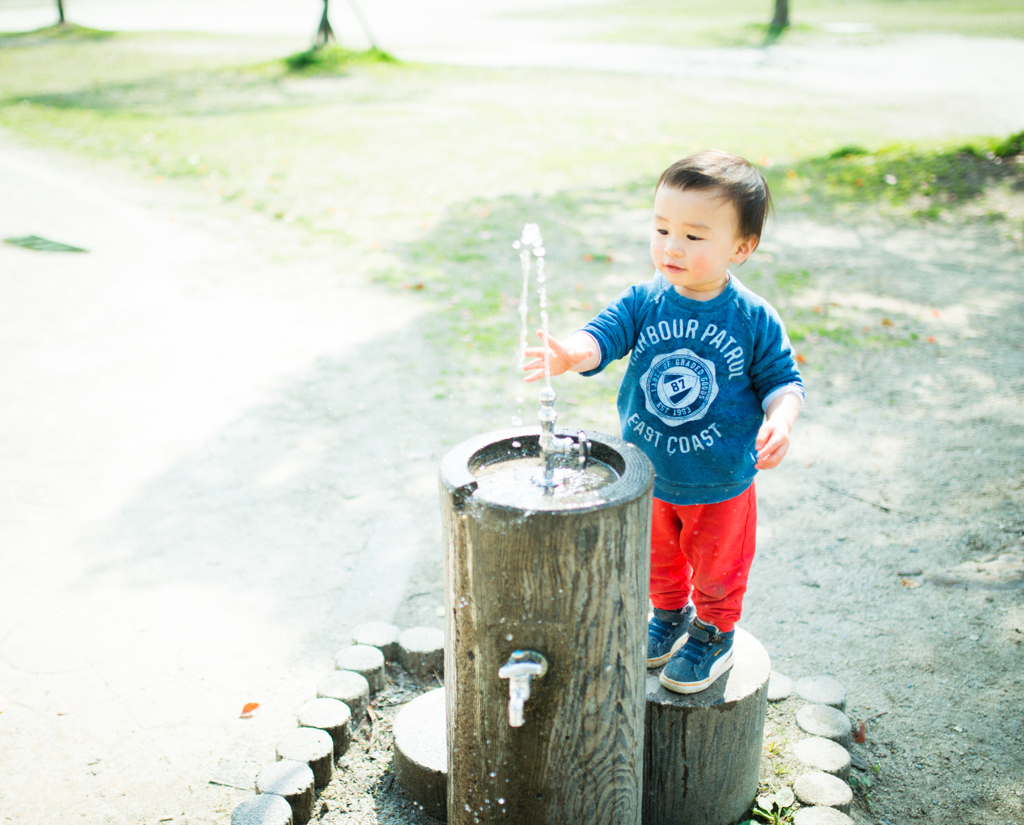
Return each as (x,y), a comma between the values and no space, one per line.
(818,788)
(348,687)
(421,650)
(312,746)
(332,716)
(421,752)
(822,689)
(292,780)
(380,635)
(822,720)
(780,687)
(821,816)
(366,660)
(824,755)
(265,809)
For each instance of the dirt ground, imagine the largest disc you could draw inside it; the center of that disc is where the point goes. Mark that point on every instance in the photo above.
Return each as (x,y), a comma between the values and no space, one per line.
(219,458)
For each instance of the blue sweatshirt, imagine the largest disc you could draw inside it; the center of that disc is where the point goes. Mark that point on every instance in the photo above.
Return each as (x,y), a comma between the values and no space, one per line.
(699,378)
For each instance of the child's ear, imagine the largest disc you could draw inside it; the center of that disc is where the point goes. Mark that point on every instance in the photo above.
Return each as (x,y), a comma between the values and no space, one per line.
(744,249)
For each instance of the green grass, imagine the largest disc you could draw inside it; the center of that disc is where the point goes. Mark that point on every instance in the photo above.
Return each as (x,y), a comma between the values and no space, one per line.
(333,59)
(925,180)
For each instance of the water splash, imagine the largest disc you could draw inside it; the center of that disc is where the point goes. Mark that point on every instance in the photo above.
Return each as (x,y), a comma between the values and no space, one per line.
(542,301)
(530,246)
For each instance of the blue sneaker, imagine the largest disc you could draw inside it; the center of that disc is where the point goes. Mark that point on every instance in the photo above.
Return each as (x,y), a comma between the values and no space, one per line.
(705,656)
(666,631)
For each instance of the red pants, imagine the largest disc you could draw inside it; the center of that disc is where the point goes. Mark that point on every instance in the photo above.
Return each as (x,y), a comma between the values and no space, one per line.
(704,551)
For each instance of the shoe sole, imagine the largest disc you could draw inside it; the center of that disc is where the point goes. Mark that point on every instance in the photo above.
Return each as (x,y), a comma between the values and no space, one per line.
(678,643)
(696,687)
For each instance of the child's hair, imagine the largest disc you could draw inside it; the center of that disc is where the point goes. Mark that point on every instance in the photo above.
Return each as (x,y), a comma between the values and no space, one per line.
(737,179)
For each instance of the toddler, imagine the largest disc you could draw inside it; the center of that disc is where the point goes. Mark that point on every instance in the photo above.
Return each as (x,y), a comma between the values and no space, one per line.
(711,394)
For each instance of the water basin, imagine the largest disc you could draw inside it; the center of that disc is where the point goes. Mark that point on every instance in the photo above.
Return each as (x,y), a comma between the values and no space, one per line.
(518,481)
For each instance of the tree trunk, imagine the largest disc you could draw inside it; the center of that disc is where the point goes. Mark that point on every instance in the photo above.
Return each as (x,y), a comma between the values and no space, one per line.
(572,585)
(325,33)
(363,24)
(781,19)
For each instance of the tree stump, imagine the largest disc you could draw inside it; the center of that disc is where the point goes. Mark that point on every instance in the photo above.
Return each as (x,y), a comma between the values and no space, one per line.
(570,584)
(332,716)
(421,757)
(367,661)
(421,650)
(265,809)
(349,687)
(381,635)
(312,746)
(293,781)
(702,751)
(824,755)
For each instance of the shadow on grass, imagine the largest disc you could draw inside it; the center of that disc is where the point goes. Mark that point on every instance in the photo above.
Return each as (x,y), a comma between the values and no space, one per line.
(60,33)
(195,93)
(179,93)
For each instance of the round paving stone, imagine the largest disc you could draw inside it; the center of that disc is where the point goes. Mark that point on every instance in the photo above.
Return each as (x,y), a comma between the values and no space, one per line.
(822,689)
(780,687)
(265,809)
(820,816)
(332,716)
(822,789)
(292,780)
(823,755)
(312,746)
(366,660)
(421,752)
(348,687)
(822,720)
(380,635)
(421,650)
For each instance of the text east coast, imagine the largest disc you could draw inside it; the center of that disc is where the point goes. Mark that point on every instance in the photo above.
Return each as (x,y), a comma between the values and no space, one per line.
(673,444)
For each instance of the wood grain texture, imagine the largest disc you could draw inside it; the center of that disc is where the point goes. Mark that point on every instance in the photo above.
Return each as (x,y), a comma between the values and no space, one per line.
(572,586)
(702,752)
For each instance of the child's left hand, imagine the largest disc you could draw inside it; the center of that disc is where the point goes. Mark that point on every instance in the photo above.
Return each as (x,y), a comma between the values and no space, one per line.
(772,444)
(772,441)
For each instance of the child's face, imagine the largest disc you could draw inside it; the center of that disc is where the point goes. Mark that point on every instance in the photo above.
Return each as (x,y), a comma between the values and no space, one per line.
(695,238)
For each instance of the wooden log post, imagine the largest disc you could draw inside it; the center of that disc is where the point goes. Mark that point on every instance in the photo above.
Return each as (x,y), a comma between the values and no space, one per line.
(569,582)
(702,751)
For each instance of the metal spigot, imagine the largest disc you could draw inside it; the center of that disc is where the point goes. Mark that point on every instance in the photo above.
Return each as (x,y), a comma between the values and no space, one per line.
(552,445)
(522,667)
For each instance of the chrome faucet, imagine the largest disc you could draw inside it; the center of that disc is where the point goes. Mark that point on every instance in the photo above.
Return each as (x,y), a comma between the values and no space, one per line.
(521,668)
(552,445)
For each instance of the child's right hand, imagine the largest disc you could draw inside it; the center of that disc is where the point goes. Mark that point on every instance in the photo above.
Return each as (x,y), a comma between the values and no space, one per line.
(560,358)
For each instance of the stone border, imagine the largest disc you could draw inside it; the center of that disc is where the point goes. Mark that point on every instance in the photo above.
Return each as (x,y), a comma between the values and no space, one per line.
(820,795)
(341,705)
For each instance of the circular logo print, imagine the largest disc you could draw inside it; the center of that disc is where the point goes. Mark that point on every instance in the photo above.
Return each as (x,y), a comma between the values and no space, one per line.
(679,387)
